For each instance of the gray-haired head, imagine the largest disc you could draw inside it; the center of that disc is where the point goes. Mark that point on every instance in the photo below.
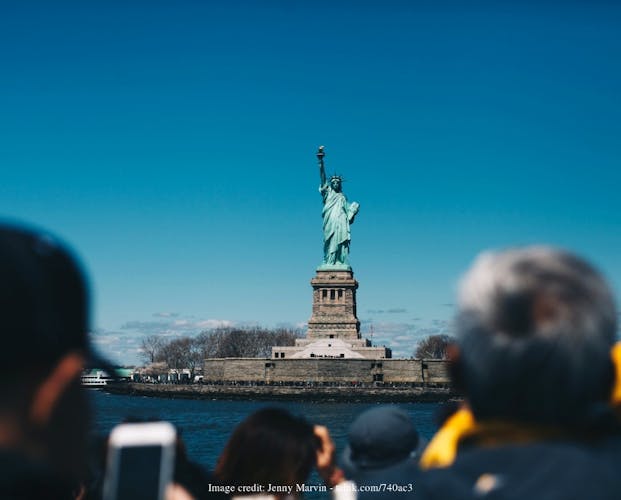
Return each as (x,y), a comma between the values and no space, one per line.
(535,328)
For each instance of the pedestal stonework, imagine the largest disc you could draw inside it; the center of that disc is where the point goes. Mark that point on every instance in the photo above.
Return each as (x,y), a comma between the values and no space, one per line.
(334,306)
(333,329)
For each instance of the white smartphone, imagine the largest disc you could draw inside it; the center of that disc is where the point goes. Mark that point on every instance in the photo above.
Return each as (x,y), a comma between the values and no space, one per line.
(140,461)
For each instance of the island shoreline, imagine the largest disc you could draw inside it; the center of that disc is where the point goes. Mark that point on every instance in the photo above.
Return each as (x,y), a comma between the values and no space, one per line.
(345,394)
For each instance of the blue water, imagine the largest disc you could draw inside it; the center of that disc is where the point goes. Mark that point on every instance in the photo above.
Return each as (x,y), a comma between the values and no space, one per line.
(205,426)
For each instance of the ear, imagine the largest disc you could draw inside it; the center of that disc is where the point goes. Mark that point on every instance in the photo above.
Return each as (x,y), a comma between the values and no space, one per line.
(455,367)
(52,388)
(452,352)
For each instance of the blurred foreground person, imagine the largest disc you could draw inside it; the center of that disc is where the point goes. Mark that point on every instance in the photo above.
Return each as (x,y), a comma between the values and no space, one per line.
(271,454)
(190,480)
(44,415)
(382,453)
(535,331)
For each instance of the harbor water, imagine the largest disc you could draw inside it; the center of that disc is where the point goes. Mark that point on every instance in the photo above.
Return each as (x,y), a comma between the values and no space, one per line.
(205,425)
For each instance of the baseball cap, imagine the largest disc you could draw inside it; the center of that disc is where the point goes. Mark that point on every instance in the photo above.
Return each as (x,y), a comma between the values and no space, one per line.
(379,439)
(44,302)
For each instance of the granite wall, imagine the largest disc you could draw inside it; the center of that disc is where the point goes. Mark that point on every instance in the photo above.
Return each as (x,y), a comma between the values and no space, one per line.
(342,371)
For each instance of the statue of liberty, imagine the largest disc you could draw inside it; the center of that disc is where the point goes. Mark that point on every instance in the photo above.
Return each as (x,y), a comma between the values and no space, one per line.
(338,214)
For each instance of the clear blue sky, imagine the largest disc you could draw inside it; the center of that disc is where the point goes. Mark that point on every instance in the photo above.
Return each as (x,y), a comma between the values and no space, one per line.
(172,144)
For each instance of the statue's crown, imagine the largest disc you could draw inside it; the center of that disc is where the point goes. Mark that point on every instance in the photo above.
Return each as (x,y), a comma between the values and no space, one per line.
(336,176)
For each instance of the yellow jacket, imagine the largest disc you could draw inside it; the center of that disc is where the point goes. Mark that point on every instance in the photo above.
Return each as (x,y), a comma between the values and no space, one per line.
(442,449)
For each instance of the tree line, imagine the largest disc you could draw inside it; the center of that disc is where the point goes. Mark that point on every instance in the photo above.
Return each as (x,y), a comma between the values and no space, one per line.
(433,347)
(225,342)
(231,342)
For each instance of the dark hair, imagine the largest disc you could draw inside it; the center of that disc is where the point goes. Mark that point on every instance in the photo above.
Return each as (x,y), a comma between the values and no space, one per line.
(535,330)
(270,446)
(44,301)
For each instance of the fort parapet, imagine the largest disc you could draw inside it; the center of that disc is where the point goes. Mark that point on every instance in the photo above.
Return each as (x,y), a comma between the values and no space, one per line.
(327,371)
(341,380)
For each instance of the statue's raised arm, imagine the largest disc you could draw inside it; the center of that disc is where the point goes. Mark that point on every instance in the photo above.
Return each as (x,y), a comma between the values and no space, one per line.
(322,170)
(337,214)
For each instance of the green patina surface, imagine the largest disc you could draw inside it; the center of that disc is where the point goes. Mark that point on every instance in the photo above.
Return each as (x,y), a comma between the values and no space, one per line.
(338,214)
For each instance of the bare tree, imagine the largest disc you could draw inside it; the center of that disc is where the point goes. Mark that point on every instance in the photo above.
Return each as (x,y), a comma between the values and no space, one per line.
(209,343)
(237,344)
(170,354)
(228,342)
(194,356)
(433,347)
(183,353)
(254,342)
(150,347)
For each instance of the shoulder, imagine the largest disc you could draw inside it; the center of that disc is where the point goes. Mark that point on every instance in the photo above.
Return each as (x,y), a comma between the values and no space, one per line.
(538,470)
(23,478)
(396,482)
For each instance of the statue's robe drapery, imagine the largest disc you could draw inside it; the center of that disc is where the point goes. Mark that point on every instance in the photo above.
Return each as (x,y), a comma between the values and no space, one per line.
(336,232)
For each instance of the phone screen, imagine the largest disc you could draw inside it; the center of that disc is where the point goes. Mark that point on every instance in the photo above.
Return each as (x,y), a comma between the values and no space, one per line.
(141,461)
(139,472)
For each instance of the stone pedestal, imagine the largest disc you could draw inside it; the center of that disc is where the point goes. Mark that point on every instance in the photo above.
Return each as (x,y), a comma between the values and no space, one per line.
(334,306)
(333,329)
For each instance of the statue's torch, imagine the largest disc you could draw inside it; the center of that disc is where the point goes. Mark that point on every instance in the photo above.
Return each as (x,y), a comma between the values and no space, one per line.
(320,155)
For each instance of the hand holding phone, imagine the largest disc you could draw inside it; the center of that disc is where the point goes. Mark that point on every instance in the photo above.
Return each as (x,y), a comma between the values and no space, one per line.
(140,461)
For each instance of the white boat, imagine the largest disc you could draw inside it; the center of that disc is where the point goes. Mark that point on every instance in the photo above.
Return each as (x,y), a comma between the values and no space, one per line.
(96,378)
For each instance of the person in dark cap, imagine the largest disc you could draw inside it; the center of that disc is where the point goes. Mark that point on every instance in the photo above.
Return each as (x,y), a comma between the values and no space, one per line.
(44,415)
(382,453)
